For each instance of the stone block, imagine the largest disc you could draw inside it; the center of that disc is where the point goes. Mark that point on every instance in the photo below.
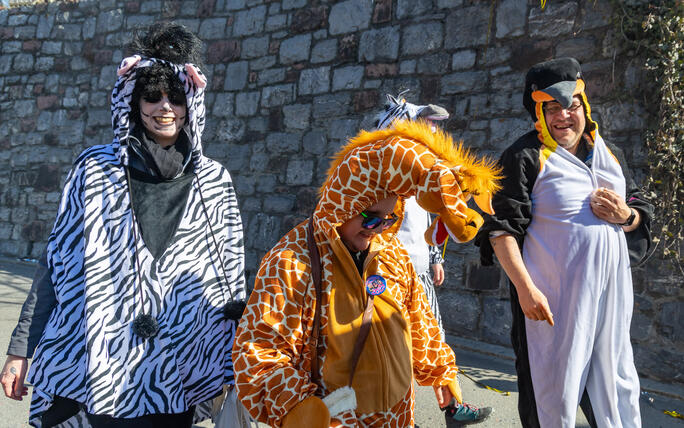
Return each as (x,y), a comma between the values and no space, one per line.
(34,231)
(324,51)
(265,62)
(437,63)
(293,4)
(381,70)
(255,47)
(296,116)
(349,16)
(295,49)
(234,4)
(267,231)
(467,81)
(246,103)
(299,172)
(277,95)
(309,19)
(494,55)
(671,320)
(11,47)
(279,204)
(623,116)
(412,8)
(24,108)
(595,15)
(349,77)
(29,31)
(89,27)
(421,38)
(315,142)
(314,81)
(48,178)
(236,76)
(250,21)
(379,45)
(509,82)
(463,60)
(331,105)
(641,327)
(150,6)
(23,62)
(223,104)
(205,8)
(382,12)
(504,132)
(496,321)
(583,48)
(212,28)
(271,75)
(407,67)
(109,21)
(555,20)
(16,20)
(460,311)
(510,18)
(275,22)
(230,130)
(223,51)
(343,129)
(467,27)
(283,143)
(482,278)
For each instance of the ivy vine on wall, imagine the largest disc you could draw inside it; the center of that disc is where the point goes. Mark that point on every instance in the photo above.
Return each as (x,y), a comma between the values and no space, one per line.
(656,31)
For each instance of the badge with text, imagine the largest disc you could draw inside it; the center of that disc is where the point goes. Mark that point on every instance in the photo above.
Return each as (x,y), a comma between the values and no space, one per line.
(375,285)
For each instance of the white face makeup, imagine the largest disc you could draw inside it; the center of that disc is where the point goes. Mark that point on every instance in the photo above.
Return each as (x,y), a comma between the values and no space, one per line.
(162,119)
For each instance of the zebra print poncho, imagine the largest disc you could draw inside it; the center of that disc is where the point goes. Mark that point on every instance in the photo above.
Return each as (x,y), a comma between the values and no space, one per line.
(88,351)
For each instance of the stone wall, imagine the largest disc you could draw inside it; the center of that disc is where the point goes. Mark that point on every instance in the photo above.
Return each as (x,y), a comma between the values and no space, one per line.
(290,80)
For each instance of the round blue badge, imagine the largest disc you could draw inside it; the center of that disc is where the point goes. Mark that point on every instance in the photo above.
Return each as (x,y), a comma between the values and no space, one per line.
(375,285)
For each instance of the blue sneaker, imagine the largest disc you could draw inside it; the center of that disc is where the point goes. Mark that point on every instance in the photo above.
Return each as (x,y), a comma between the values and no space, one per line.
(465,414)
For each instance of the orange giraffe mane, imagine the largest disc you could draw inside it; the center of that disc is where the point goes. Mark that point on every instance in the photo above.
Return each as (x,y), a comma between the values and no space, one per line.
(478,175)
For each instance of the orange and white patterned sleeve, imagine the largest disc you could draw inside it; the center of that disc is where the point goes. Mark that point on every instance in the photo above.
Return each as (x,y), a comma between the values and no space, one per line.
(434,362)
(271,364)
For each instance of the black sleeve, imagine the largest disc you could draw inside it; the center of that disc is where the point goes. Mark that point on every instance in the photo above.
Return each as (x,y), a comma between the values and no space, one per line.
(639,240)
(512,204)
(35,313)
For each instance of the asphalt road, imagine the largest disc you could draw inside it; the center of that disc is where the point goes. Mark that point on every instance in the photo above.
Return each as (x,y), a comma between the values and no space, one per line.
(491,365)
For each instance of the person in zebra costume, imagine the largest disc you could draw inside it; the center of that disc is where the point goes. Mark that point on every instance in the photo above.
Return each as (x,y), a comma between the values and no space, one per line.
(416,220)
(133,307)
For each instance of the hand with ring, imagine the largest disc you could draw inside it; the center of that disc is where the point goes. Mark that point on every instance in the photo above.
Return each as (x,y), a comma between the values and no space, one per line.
(13,376)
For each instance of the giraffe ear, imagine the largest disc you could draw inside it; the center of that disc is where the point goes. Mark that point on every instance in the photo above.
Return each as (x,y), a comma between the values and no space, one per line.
(484,202)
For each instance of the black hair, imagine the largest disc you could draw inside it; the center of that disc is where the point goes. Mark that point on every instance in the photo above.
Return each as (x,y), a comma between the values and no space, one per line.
(168,41)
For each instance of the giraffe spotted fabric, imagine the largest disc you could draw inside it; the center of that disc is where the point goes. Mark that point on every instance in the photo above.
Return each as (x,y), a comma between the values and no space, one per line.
(273,347)
(88,352)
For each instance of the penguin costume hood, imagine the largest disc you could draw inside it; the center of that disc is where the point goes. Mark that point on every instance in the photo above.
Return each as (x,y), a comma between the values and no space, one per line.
(555,80)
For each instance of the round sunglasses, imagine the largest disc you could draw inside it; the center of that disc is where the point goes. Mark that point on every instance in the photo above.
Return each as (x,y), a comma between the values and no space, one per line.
(371,222)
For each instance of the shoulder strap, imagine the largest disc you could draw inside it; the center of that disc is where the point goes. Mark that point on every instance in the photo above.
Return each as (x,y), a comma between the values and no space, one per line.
(365,322)
(316,275)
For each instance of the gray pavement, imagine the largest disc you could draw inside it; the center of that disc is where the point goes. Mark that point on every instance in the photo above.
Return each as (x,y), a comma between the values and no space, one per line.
(489,364)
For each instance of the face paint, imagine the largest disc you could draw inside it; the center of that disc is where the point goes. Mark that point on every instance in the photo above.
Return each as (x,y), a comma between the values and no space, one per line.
(162,118)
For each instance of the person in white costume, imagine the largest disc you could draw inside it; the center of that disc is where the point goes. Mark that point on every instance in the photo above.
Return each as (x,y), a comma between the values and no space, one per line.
(566,223)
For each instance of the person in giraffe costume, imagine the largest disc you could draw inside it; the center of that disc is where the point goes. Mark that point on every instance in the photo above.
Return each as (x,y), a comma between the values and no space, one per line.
(282,377)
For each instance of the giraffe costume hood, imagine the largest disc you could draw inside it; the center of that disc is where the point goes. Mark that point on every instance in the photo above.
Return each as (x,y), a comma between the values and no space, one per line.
(273,346)
(411,158)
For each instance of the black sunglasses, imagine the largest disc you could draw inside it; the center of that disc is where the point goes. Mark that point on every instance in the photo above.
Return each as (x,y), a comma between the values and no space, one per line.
(371,222)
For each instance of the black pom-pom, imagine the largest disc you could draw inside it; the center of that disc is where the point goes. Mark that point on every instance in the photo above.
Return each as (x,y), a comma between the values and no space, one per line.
(233,310)
(145,326)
